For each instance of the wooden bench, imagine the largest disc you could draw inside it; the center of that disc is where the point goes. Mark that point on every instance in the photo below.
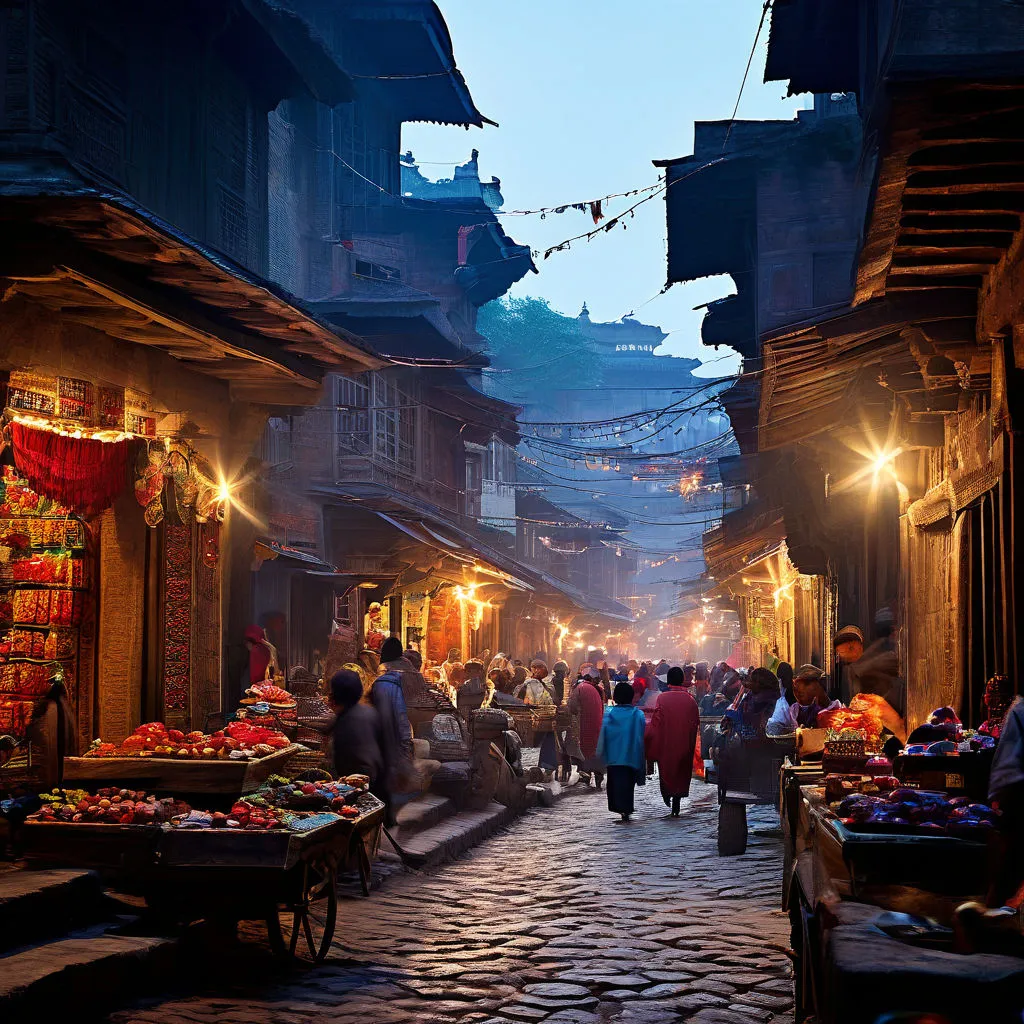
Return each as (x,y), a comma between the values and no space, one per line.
(748,774)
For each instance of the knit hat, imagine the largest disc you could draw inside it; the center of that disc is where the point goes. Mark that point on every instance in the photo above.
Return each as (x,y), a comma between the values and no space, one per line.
(808,672)
(391,649)
(848,634)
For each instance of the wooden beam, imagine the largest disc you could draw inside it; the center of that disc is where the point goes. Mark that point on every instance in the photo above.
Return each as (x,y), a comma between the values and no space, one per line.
(969,154)
(914,247)
(954,225)
(924,282)
(965,202)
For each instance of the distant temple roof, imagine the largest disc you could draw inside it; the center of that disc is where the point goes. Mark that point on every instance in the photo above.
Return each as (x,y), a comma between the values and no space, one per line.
(464,184)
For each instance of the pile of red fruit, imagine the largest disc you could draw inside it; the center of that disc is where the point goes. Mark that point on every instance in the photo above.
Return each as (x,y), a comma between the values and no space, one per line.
(113,807)
(154,739)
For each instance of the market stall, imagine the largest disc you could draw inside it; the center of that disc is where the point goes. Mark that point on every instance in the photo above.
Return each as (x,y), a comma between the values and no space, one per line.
(273,857)
(879,856)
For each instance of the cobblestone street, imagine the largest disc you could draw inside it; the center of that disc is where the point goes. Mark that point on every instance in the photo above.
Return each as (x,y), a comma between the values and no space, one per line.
(569,917)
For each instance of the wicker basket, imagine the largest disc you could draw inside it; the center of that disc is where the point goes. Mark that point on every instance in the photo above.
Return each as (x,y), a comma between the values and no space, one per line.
(523,724)
(448,750)
(303,760)
(489,723)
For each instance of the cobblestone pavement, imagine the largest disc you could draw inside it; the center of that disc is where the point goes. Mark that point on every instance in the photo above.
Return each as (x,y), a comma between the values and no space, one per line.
(569,917)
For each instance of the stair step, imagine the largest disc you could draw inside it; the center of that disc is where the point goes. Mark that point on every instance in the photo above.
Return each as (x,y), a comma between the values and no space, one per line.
(92,967)
(458,833)
(424,812)
(37,904)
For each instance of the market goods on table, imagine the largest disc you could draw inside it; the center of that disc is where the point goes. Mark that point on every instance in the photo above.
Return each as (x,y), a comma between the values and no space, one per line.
(918,811)
(237,741)
(107,806)
(282,803)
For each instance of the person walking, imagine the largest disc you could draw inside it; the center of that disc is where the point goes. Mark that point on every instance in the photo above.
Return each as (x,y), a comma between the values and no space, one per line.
(538,693)
(672,739)
(356,735)
(387,698)
(621,747)
(586,710)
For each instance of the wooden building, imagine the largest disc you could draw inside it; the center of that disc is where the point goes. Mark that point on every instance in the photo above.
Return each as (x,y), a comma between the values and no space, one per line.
(910,391)
(774,205)
(142,347)
(387,498)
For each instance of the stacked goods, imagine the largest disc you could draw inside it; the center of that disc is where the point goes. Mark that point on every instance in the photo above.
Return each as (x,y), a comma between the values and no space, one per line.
(839,786)
(238,741)
(246,815)
(109,806)
(921,811)
(315,791)
(861,716)
(271,694)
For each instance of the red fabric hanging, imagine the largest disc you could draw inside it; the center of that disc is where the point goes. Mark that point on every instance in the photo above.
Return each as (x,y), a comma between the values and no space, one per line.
(80,472)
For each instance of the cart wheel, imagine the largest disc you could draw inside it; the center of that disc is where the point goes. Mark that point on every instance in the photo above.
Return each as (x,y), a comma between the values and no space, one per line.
(732,829)
(358,852)
(304,929)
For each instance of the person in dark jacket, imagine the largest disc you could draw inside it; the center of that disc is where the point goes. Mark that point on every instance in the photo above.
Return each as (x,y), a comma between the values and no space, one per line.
(387,697)
(356,732)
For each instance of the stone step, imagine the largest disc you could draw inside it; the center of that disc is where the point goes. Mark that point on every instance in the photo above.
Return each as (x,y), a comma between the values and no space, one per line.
(422,813)
(89,968)
(457,834)
(35,905)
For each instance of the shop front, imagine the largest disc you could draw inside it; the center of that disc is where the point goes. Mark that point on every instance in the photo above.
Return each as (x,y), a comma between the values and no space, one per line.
(129,491)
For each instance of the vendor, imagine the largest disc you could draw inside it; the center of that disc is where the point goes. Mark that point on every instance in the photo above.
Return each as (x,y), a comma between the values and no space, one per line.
(999,695)
(262,655)
(849,647)
(877,670)
(810,697)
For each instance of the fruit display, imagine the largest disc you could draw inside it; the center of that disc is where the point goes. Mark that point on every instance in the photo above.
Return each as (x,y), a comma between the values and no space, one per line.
(271,694)
(312,796)
(244,814)
(921,811)
(238,741)
(109,806)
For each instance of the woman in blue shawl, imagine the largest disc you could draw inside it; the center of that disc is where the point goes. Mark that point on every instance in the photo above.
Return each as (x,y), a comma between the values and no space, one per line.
(621,747)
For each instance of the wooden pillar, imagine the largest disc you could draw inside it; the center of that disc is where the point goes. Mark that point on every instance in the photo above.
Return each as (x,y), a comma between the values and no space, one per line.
(121,608)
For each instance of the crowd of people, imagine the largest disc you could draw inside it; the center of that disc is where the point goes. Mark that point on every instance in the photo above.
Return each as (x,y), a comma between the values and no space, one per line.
(609,725)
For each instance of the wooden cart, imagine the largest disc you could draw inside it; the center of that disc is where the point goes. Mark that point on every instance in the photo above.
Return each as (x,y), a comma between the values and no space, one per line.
(287,879)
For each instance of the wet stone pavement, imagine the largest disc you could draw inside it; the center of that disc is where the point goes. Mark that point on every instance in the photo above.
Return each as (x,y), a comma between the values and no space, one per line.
(568,917)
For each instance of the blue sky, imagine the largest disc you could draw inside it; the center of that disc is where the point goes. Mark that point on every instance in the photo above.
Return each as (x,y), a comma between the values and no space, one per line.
(587,93)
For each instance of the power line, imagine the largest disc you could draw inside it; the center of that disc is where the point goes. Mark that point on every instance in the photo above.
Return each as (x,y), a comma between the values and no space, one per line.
(750,60)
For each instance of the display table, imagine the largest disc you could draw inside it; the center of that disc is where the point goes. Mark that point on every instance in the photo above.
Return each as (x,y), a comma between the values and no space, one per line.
(274,875)
(187,776)
(840,884)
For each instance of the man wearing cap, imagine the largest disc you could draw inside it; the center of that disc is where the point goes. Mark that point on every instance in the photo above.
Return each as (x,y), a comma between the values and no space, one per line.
(877,669)
(811,699)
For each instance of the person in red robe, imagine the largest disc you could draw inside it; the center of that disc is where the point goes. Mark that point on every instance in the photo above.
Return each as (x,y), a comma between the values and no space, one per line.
(259,654)
(586,708)
(672,738)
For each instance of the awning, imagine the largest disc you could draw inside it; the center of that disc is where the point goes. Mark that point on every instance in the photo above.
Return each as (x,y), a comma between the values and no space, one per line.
(107,259)
(820,375)
(404,51)
(428,527)
(742,537)
(270,550)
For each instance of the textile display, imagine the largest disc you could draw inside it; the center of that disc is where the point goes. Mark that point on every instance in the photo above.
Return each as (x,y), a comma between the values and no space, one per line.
(80,472)
(177,617)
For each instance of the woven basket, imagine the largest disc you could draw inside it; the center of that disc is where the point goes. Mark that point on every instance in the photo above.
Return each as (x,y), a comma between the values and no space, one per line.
(303,760)
(448,750)
(523,724)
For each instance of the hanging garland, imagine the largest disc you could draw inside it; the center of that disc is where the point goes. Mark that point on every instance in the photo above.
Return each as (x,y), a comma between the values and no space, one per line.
(84,473)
